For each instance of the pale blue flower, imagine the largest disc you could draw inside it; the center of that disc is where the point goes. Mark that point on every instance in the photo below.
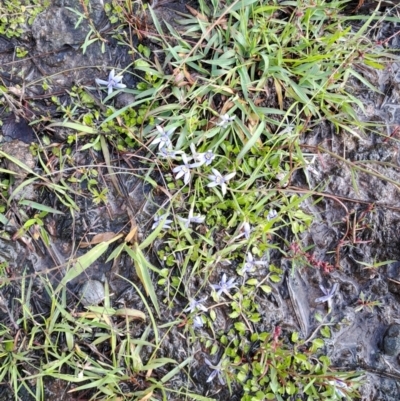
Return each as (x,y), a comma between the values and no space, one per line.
(158,220)
(196,305)
(217,371)
(251,264)
(328,294)
(203,158)
(112,83)
(197,322)
(218,179)
(224,285)
(272,214)
(184,169)
(206,157)
(163,139)
(339,385)
(225,120)
(245,230)
(192,219)
(169,153)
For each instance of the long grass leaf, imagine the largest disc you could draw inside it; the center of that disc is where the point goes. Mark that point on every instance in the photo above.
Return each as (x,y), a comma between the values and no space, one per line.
(150,239)
(254,138)
(111,172)
(39,206)
(153,322)
(74,126)
(142,269)
(176,370)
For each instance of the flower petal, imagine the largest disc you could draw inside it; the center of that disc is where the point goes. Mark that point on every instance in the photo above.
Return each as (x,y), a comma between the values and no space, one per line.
(187,177)
(179,175)
(229,176)
(223,188)
(111,75)
(198,219)
(324,290)
(216,172)
(325,298)
(212,375)
(101,82)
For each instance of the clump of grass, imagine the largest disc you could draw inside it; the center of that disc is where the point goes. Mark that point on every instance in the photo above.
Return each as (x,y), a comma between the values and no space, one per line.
(93,351)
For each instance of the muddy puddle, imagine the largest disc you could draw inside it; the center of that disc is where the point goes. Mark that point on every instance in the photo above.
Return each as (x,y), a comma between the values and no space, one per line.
(355,231)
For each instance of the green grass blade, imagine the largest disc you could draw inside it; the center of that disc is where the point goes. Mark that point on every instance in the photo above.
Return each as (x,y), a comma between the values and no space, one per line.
(252,141)
(142,269)
(74,126)
(40,207)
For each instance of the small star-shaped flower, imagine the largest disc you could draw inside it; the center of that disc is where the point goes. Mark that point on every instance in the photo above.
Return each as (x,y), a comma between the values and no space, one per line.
(272,214)
(197,322)
(225,120)
(217,371)
(251,264)
(224,286)
(112,83)
(184,169)
(328,294)
(163,139)
(169,153)
(196,305)
(203,158)
(244,230)
(192,219)
(158,220)
(218,179)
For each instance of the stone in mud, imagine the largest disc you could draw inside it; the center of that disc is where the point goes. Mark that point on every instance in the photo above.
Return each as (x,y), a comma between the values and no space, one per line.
(92,293)
(54,32)
(16,128)
(391,340)
(124,99)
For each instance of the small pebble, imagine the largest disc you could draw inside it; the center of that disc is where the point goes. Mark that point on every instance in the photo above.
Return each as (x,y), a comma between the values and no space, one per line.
(391,340)
(92,293)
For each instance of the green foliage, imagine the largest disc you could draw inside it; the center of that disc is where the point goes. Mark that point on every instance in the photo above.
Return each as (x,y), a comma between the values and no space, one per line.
(275,70)
(278,371)
(4,269)
(16,14)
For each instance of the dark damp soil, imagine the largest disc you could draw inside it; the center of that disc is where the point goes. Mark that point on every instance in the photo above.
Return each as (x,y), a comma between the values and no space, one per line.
(356,220)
